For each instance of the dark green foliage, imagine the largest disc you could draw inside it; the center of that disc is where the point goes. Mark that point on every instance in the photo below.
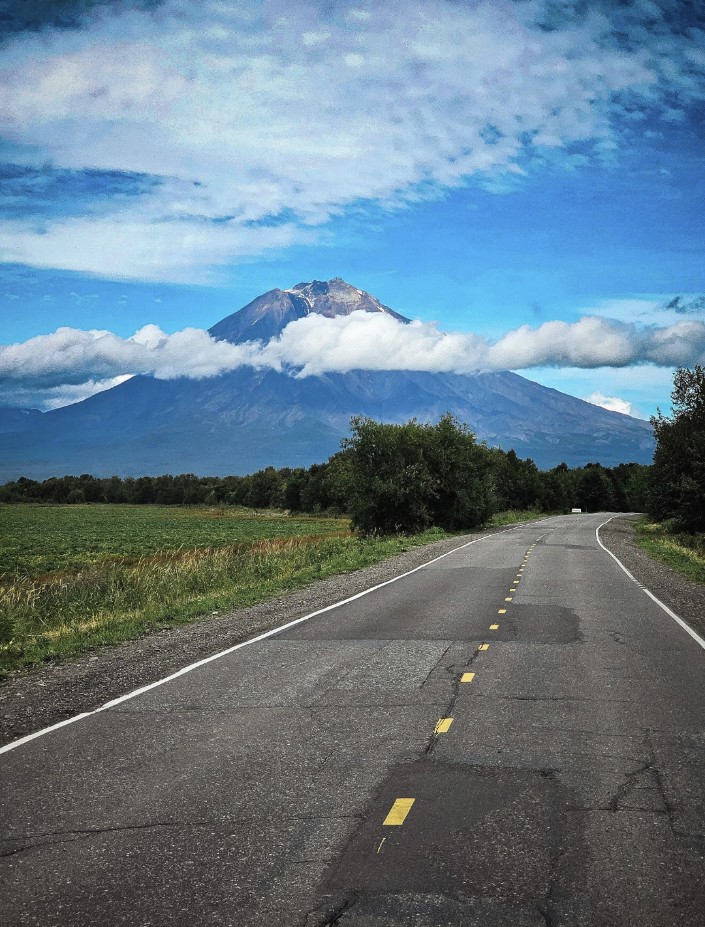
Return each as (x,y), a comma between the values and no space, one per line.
(595,492)
(557,489)
(678,477)
(518,482)
(403,478)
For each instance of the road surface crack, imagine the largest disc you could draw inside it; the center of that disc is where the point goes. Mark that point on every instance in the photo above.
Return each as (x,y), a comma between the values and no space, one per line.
(435,665)
(658,778)
(50,838)
(333,914)
(546,905)
(450,705)
(628,786)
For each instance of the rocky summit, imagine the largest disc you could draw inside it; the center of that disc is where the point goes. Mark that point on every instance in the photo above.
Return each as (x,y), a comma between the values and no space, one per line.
(251,418)
(267,315)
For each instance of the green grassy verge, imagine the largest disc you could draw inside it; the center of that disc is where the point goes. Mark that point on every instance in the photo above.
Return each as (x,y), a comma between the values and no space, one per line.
(514,516)
(684,552)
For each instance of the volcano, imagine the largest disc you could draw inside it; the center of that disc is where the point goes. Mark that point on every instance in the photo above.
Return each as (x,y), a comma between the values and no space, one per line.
(249,419)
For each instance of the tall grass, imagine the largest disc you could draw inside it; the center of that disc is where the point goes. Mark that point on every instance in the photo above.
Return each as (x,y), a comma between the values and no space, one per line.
(36,539)
(66,612)
(515,516)
(683,552)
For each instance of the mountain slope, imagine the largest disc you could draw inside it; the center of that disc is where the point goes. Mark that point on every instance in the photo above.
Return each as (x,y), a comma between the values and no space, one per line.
(248,419)
(17,419)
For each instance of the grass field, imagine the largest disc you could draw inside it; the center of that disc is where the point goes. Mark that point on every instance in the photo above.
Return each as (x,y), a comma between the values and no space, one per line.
(683,552)
(40,539)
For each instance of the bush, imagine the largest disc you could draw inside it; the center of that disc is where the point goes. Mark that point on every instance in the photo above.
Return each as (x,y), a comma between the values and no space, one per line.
(403,478)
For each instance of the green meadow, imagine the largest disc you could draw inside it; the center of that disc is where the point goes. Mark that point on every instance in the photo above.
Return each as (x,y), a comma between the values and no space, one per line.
(38,539)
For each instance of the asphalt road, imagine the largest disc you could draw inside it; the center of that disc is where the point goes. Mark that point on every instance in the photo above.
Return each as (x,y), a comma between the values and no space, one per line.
(510,736)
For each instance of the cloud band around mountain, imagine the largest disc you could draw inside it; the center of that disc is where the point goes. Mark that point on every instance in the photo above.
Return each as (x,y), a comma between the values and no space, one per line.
(72,359)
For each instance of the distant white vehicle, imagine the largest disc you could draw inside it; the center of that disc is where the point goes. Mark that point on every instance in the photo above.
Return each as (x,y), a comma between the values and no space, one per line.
(576,511)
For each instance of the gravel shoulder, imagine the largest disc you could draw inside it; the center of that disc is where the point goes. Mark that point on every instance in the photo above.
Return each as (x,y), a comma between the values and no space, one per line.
(33,699)
(683,596)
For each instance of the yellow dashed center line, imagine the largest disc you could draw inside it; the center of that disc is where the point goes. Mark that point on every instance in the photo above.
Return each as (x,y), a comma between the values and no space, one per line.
(443,725)
(402,806)
(398,812)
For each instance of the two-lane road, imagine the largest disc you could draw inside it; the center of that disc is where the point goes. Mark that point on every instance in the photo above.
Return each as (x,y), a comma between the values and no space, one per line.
(511,735)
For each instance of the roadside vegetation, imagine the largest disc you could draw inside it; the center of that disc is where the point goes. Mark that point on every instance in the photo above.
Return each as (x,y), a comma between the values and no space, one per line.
(674,531)
(459,480)
(43,539)
(680,550)
(111,599)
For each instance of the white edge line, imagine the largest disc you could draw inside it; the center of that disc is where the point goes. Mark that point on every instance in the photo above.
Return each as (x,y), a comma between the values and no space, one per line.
(696,637)
(253,640)
(45,730)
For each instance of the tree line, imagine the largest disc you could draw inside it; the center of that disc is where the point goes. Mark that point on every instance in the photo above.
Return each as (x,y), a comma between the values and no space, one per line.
(677,479)
(388,478)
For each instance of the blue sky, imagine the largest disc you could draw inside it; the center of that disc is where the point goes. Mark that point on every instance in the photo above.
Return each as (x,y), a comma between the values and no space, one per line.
(482,166)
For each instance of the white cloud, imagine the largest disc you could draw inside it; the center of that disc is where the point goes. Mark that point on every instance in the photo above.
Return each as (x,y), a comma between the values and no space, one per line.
(244,111)
(58,396)
(315,344)
(178,251)
(613,403)
(26,395)
(70,356)
(371,341)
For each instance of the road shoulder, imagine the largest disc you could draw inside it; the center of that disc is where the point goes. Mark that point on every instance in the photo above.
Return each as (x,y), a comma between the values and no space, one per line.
(681,595)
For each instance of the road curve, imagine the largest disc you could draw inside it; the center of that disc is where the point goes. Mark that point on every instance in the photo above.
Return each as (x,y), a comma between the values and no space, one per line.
(511,736)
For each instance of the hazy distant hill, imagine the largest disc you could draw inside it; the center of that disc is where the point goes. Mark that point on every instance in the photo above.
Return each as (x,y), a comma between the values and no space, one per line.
(249,419)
